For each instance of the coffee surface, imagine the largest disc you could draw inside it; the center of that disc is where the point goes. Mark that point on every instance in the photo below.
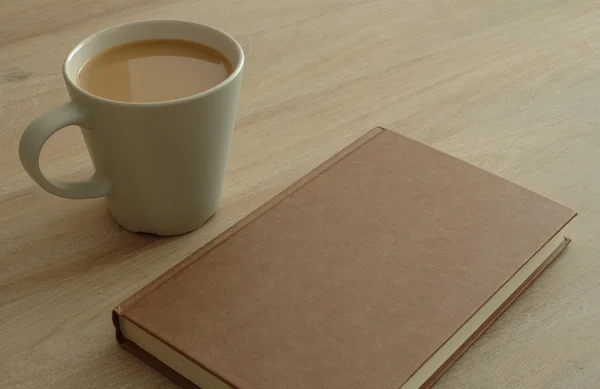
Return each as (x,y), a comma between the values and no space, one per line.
(153,71)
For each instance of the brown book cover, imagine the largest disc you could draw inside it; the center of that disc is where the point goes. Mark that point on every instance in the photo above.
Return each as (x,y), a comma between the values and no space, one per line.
(376,270)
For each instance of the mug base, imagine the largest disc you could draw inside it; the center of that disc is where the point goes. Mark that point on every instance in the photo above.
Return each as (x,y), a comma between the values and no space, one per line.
(162,228)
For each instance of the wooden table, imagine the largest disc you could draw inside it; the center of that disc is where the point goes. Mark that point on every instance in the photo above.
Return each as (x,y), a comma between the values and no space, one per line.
(509,85)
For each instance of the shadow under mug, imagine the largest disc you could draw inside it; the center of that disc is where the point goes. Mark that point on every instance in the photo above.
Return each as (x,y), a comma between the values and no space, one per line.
(160,165)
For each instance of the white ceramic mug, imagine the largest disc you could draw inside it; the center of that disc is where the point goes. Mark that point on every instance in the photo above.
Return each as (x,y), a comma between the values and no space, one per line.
(160,165)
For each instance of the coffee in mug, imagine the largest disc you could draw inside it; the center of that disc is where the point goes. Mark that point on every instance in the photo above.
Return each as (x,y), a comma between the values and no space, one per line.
(154,70)
(156,103)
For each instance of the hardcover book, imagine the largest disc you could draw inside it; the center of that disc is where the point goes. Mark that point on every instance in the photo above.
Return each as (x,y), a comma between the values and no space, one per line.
(376,270)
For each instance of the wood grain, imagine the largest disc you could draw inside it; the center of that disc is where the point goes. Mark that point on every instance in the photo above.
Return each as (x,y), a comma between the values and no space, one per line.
(511,86)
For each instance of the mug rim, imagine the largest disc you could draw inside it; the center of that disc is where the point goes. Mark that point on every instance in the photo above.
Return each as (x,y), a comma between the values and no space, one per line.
(88,39)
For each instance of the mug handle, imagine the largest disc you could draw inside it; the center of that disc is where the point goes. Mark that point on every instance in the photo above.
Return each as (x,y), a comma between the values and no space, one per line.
(33,139)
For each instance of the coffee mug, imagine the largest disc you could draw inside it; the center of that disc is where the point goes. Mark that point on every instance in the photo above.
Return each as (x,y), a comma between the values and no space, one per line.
(160,165)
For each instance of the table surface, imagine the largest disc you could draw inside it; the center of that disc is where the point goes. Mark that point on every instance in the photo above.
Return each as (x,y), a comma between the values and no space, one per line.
(511,86)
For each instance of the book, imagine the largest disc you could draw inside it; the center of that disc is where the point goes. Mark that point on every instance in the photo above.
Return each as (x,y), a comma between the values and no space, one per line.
(376,270)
